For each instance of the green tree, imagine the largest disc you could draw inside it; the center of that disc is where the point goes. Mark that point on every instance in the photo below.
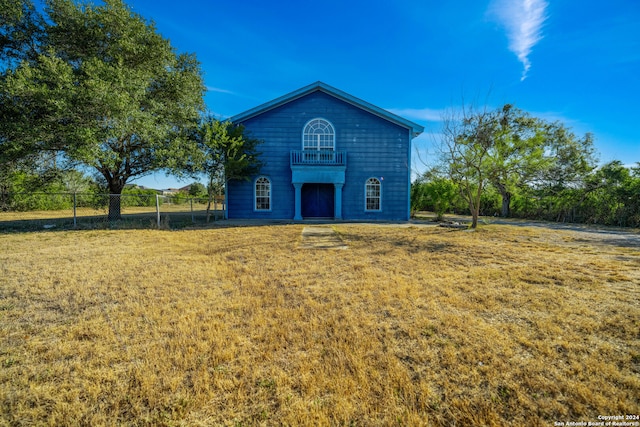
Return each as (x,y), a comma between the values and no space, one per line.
(435,192)
(24,189)
(35,173)
(418,197)
(76,182)
(226,153)
(632,194)
(197,189)
(573,158)
(612,196)
(468,138)
(107,91)
(517,153)
(21,31)
(565,183)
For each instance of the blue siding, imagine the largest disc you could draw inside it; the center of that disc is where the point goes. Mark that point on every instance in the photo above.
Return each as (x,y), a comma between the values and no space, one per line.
(375,147)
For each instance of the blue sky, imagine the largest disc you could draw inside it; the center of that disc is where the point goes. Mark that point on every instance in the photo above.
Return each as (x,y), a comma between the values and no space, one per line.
(577,62)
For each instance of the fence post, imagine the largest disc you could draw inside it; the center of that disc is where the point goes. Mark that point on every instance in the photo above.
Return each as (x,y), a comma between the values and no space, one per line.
(75,218)
(193,219)
(158,209)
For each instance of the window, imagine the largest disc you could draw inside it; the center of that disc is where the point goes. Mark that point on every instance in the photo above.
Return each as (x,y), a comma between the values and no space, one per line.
(318,134)
(263,194)
(372,194)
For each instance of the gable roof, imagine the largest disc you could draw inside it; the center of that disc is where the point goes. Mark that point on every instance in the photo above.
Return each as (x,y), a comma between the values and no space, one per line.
(415,128)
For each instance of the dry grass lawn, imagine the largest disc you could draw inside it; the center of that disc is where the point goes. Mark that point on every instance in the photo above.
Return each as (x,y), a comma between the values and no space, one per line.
(238,326)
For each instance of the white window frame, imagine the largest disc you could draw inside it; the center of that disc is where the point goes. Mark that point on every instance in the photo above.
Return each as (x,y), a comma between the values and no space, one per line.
(372,182)
(260,193)
(316,135)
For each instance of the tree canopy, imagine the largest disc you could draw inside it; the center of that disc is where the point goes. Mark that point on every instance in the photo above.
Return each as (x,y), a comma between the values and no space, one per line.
(517,153)
(225,152)
(102,89)
(512,152)
(468,140)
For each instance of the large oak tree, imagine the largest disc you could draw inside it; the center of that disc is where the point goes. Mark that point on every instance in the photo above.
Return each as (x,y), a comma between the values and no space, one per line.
(105,90)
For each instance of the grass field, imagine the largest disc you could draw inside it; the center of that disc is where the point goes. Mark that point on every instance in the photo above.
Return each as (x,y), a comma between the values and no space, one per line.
(238,326)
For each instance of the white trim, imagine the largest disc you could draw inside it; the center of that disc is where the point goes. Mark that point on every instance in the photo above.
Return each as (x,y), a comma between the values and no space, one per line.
(367,197)
(320,141)
(268,196)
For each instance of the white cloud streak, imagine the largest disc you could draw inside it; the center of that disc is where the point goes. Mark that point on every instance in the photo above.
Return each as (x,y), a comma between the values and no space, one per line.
(522,21)
(219,90)
(426,114)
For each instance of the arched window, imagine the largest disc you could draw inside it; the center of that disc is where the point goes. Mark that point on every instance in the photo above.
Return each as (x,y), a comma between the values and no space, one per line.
(372,193)
(318,134)
(263,194)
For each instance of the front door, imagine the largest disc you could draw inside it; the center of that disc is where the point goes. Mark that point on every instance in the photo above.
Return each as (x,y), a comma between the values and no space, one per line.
(318,201)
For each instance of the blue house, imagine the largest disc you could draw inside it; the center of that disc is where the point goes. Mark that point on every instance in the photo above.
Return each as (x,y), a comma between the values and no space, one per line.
(326,154)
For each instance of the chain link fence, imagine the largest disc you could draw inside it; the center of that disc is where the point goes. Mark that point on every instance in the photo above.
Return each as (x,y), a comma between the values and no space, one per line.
(29,211)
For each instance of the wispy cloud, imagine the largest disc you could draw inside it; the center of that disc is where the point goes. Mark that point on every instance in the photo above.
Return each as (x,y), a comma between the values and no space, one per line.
(523,21)
(426,114)
(217,89)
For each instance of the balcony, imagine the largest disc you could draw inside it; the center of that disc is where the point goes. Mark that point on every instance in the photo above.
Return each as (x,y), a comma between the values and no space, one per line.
(318,157)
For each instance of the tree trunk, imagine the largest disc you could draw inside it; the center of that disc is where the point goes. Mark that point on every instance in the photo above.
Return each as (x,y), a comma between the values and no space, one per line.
(209,207)
(506,205)
(475,208)
(114,207)
(474,221)
(475,213)
(4,200)
(115,198)
(211,195)
(505,210)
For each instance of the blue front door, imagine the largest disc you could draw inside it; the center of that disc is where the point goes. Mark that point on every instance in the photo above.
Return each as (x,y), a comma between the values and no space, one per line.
(318,201)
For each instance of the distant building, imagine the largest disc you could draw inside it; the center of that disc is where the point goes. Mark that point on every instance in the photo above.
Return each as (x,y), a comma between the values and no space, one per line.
(326,154)
(170,191)
(185,189)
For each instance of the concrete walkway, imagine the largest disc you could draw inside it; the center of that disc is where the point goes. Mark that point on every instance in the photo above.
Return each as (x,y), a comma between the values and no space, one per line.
(321,237)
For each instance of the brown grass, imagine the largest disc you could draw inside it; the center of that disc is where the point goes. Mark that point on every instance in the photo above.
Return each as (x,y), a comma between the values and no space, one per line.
(237,326)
